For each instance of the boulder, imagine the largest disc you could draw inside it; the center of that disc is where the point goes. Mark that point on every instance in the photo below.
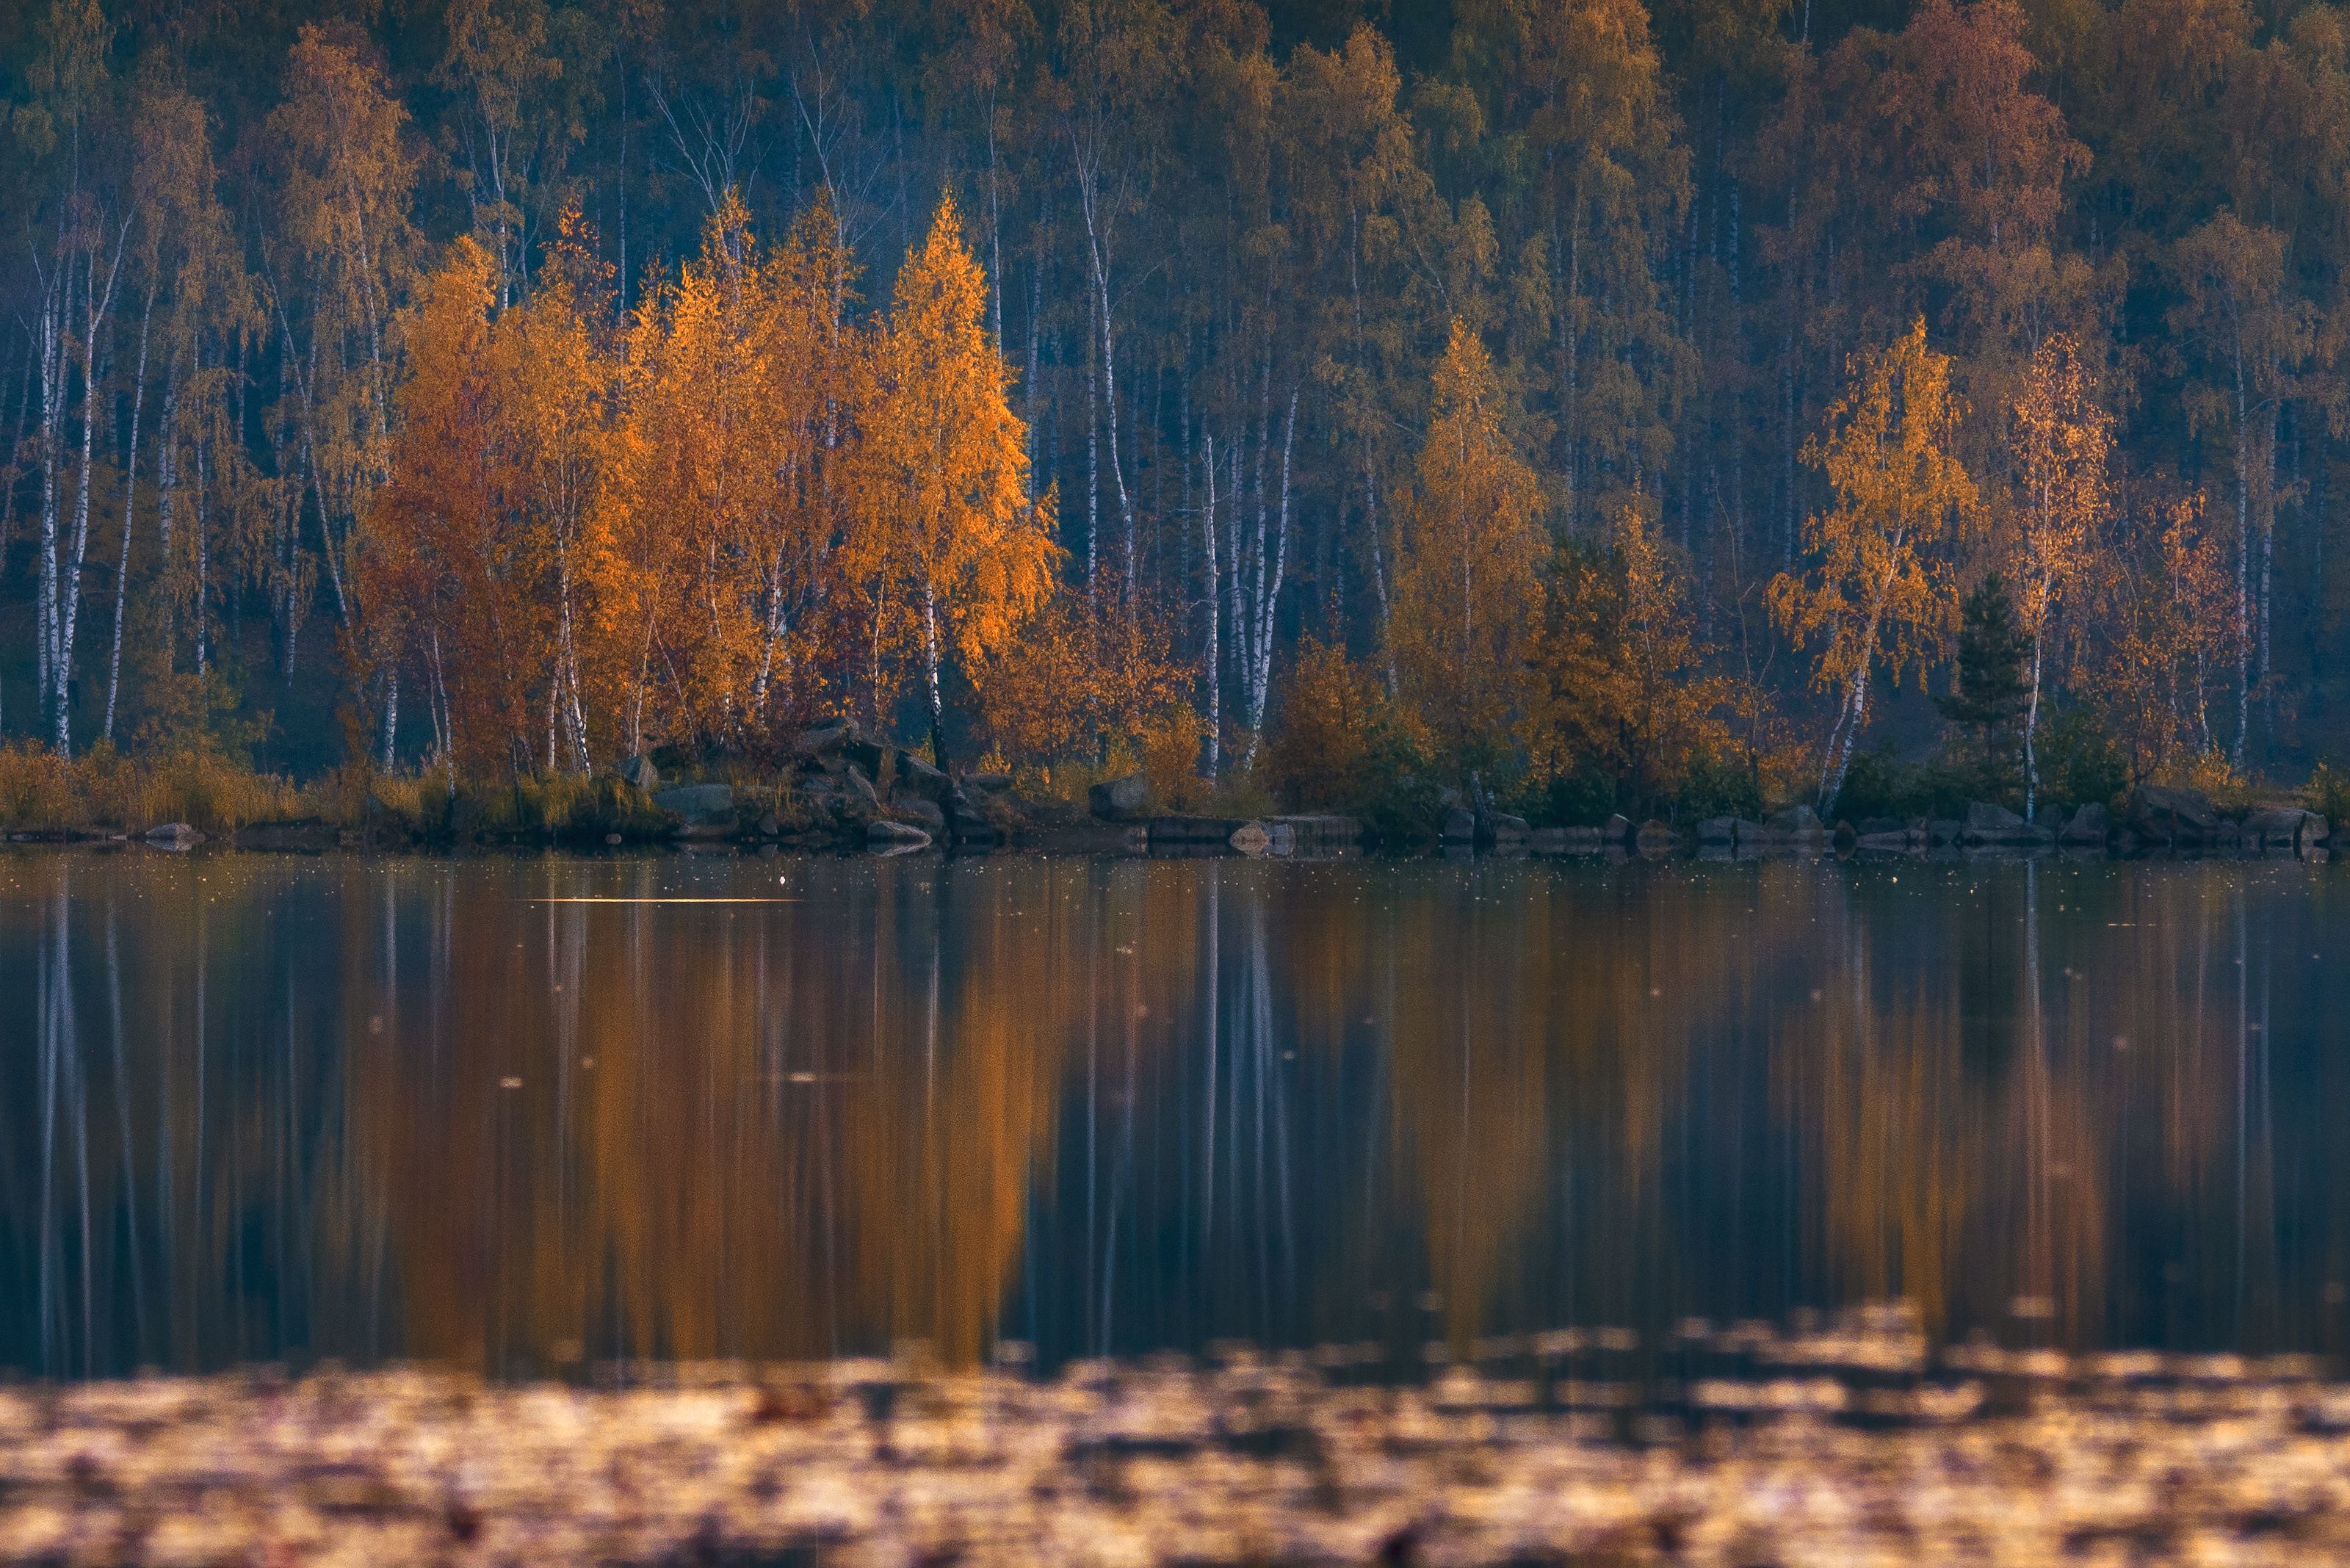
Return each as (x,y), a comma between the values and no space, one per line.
(1616,828)
(2314,832)
(916,774)
(822,740)
(175,836)
(1459,826)
(860,788)
(2090,825)
(1988,824)
(1251,839)
(1718,830)
(1120,800)
(1944,830)
(697,802)
(1877,827)
(2162,813)
(1503,828)
(1797,821)
(1655,835)
(969,824)
(992,783)
(639,773)
(1899,839)
(1749,832)
(895,837)
(2274,828)
(922,811)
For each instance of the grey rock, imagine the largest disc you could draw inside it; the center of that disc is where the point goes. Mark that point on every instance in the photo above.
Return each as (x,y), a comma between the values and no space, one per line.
(824,739)
(992,783)
(1797,822)
(923,813)
(175,836)
(895,837)
(1616,828)
(1121,799)
(1944,830)
(1251,839)
(2090,825)
(1877,827)
(1460,825)
(2165,813)
(697,802)
(916,774)
(860,788)
(1988,824)
(639,773)
(1655,835)
(2274,828)
(1718,830)
(1501,824)
(1749,831)
(2314,831)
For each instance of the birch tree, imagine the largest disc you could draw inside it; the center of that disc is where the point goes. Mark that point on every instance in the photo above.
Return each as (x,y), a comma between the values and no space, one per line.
(1878,590)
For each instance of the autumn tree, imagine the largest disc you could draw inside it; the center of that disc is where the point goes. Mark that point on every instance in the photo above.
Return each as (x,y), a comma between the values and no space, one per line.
(1469,589)
(339,261)
(2252,337)
(1878,590)
(2059,445)
(1623,680)
(941,468)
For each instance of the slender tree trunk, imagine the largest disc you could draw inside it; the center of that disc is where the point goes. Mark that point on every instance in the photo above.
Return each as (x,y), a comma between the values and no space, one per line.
(166,485)
(1268,601)
(55,308)
(1212,656)
(129,510)
(931,662)
(2243,567)
(97,307)
(2032,727)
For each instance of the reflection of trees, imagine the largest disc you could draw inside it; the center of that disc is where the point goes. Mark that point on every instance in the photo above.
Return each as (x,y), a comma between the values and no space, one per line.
(1145,1103)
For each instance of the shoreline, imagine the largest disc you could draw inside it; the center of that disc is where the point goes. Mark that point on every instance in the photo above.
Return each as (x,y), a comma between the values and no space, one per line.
(1844,1443)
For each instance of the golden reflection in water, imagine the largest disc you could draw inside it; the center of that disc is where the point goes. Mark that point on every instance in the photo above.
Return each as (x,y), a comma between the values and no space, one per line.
(276,1106)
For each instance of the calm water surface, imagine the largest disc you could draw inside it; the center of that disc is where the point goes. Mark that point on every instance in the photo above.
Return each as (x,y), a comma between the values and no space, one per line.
(528,1115)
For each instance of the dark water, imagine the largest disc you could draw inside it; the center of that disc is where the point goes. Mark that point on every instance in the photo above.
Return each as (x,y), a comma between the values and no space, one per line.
(527,1115)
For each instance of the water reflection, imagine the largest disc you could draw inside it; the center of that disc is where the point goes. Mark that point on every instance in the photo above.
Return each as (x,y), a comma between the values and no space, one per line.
(530,1114)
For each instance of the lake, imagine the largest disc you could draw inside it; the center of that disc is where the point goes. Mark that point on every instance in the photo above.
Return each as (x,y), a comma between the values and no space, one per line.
(528,1116)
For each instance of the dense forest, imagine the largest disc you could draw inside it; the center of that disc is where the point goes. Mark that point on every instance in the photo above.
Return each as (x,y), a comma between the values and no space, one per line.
(1606,405)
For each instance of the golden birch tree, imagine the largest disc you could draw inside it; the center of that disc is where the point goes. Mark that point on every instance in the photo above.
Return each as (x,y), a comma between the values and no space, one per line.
(943,467)
(2061,439)
(1469,589)
(1879,587)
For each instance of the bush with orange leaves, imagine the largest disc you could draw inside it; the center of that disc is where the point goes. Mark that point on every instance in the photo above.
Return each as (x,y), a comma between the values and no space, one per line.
(1092,686)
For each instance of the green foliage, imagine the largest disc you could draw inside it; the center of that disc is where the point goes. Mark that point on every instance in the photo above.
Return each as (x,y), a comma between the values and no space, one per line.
(1339,744)
(1880,785)
(1718,785)
(2081,762)
(2328,792)
(1987,706)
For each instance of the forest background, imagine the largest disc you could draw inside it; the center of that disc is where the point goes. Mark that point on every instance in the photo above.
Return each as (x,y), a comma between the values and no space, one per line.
(1599,405)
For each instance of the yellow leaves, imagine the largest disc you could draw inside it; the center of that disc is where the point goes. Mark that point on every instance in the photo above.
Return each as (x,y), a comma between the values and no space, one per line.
(1469,589)
(2060,440)
(941,468)
(1881,587)
(1622,680)
(707,525)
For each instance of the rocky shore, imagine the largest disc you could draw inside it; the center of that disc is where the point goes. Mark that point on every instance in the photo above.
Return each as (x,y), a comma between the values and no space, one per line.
(841,789)
(1843,1444)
